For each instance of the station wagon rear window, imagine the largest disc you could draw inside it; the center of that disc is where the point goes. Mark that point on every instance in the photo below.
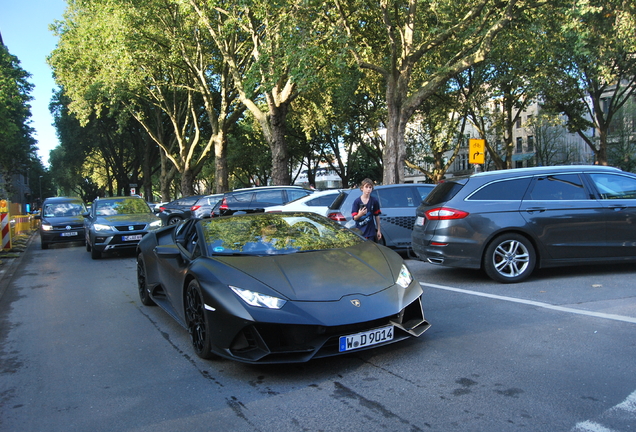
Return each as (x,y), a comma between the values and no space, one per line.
(504,190)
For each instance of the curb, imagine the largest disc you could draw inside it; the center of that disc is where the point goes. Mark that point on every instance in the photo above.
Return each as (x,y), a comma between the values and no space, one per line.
(7,271)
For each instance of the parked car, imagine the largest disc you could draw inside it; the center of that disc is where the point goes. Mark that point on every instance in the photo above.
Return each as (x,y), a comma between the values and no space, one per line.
(397,203)
(177,210)
(156,207)
(317,202)
(510,222)
(117,223)
(61,221)
(278,287)
(257,199)
(203,207)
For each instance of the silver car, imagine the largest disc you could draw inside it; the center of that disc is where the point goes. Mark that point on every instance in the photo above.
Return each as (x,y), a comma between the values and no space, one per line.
(510,222)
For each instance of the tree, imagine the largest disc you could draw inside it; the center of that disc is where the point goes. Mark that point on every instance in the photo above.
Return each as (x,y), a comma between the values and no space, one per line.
(275,50)
(249,158)
(17,145)
(621,151)
(592,69)
(416,47)
(106,151)
(149,58)
(440,130)
(343,119)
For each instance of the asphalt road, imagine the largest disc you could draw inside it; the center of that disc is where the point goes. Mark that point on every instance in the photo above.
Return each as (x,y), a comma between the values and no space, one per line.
(79,352)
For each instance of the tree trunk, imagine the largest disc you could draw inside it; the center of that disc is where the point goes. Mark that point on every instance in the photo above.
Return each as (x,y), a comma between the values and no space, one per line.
(187,179)
(165,178)
(221,172)
(390,153)
(278,144)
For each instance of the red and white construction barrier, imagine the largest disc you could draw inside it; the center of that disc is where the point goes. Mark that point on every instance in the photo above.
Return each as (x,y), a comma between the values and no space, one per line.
(6,230)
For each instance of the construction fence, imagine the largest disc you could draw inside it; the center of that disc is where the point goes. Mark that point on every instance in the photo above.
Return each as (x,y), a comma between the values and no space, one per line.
(14,225)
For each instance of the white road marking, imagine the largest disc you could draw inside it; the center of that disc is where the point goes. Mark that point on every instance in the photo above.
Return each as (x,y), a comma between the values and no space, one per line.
(535,303)
(588,426)
(625,410)
(628,405)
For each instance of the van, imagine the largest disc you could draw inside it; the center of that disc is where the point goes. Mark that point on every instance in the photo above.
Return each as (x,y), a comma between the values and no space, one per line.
(61,221)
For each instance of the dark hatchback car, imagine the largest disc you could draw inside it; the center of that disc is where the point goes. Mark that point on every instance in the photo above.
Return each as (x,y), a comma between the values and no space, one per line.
(397,203)
(117,223)
(61,221)
(178,210)
(257,199)
(510,222)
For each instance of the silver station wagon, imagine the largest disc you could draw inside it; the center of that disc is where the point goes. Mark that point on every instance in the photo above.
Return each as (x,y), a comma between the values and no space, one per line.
(510,222)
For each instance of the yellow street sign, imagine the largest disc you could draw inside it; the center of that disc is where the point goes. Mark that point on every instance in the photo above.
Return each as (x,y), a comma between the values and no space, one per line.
(477,151)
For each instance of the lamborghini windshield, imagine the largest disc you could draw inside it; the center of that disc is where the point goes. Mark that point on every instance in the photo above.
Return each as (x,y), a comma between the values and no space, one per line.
(274,234)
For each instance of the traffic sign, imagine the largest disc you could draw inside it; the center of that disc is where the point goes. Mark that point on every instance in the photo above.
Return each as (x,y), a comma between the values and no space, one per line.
(477,151)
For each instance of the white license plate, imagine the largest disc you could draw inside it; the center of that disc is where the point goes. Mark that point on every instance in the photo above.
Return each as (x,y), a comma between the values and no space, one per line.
(365,339)
(69,234)
(131,237)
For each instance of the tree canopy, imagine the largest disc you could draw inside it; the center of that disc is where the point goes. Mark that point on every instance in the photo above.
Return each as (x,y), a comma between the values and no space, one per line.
(257,88)
(17,145)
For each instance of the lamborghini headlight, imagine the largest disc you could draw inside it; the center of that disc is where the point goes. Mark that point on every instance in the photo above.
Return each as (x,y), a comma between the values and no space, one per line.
(404,278)
(257,299)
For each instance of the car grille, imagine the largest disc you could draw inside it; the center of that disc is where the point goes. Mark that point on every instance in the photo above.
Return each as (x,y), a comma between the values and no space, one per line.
(273,343)
(136,227)
(401,221)
(73,226)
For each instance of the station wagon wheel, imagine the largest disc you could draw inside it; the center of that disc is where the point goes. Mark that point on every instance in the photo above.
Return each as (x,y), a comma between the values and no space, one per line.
(174,219)
(198,326)
(509,258)
(144,292)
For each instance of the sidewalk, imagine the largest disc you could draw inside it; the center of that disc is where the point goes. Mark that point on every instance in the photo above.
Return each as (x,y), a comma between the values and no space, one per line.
(9,260)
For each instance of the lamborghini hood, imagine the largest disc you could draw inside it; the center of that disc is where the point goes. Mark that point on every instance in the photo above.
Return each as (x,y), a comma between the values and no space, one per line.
(322,275)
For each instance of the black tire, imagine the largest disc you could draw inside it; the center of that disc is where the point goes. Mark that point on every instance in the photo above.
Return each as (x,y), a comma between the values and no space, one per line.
(509,258)
(88,245)
(174,220)
(95,254)
(45,245)
(198,326)
(144,292)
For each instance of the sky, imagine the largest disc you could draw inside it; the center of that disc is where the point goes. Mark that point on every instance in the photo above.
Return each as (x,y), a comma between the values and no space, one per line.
(24,25)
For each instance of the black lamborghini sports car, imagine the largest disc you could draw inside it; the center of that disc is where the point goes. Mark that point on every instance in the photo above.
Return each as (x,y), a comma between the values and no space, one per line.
(278,287)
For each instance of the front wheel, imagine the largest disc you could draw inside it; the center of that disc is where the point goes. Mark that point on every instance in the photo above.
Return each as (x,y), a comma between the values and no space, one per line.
(95,254)
(509,258)
(142,286)
(198,326)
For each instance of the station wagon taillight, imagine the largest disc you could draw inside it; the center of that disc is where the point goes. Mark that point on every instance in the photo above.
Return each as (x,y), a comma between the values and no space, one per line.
(445,213)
